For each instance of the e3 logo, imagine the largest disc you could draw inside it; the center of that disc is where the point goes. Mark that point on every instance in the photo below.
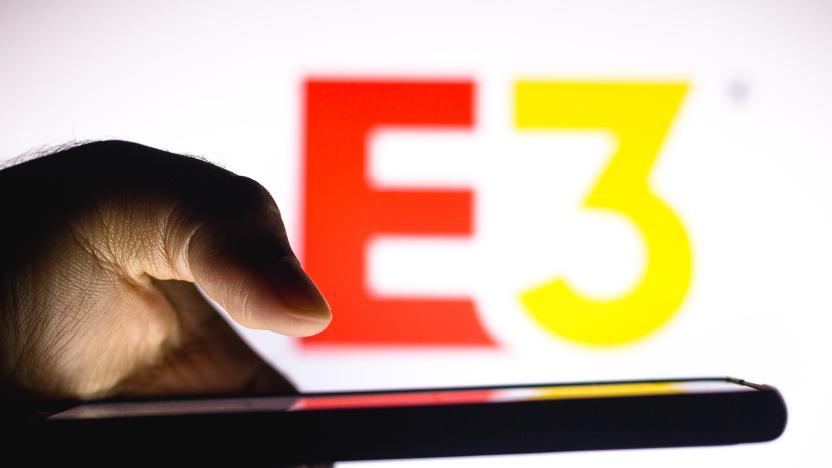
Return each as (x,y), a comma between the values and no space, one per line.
(342,211)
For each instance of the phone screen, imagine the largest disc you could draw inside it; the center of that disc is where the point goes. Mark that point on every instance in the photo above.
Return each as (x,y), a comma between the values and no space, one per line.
(398,398)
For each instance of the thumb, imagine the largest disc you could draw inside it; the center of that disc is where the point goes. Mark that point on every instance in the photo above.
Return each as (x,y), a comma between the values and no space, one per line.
(244,262)
(232,242)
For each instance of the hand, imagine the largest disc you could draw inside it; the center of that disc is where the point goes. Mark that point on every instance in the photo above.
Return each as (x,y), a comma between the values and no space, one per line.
(100,247)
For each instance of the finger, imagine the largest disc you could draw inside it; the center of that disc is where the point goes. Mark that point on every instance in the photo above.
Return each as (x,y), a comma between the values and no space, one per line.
(235,365)
(206,356)
(148,213)
(242,260)
(227,235)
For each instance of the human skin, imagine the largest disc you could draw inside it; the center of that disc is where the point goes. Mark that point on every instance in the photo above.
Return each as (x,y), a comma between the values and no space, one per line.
(101,247)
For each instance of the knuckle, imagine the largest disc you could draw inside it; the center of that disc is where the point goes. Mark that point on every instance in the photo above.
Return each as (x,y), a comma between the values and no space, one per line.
(251,194)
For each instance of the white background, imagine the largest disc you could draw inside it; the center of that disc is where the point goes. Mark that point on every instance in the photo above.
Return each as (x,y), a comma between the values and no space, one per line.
(746,167)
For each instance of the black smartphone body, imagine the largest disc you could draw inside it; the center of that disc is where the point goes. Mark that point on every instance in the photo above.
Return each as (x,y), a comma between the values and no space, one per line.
(329,427)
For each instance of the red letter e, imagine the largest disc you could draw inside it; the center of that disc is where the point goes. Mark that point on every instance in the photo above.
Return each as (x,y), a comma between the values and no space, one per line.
(342,211)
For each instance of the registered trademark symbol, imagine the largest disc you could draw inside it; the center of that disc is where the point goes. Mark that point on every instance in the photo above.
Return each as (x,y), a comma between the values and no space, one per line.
(738,91)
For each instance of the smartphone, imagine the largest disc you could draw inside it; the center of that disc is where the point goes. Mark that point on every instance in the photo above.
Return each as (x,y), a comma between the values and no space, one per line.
(445,422)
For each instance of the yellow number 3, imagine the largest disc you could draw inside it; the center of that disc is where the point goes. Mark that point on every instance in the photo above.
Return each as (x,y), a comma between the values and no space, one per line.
(639,115)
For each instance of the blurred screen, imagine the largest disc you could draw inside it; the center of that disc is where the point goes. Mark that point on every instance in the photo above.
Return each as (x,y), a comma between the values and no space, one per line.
(494,192)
